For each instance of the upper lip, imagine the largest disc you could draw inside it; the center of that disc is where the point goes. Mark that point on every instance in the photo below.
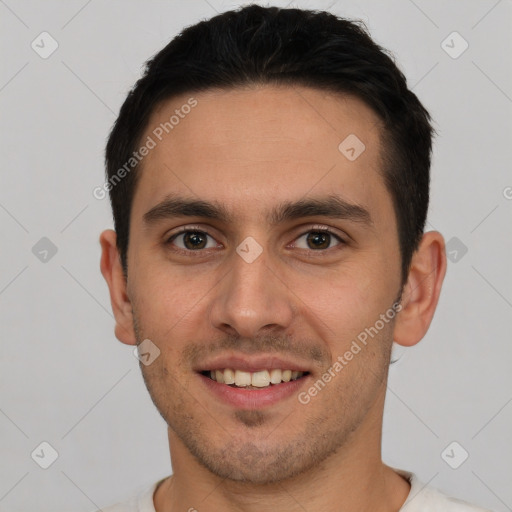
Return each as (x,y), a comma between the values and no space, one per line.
(252,363)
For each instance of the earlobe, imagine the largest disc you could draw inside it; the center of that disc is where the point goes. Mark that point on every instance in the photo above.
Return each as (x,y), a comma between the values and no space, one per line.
(421,292)
(112,271)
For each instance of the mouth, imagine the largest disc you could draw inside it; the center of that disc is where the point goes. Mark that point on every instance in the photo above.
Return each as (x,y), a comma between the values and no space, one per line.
(254,390)
(253,380)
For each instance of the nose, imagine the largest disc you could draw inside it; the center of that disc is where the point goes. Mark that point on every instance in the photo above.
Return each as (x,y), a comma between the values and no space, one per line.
(252,298)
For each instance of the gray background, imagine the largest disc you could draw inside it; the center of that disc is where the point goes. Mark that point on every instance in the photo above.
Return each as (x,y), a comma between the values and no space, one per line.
(66,380)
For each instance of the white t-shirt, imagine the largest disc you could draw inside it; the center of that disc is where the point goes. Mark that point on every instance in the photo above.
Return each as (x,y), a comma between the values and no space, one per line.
(421,499)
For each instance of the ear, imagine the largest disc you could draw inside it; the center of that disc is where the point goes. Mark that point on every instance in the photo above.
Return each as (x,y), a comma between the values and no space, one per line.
(421,292)
(112,271)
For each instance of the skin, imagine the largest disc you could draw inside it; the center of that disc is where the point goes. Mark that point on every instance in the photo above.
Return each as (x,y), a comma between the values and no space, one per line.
(251,149)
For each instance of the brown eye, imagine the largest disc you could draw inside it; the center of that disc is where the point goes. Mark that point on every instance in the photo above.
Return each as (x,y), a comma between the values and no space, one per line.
(318,240)
(192,240)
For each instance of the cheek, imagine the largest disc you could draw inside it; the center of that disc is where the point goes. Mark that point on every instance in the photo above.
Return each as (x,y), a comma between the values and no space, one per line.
(346,304)
(172,290)
(166,306)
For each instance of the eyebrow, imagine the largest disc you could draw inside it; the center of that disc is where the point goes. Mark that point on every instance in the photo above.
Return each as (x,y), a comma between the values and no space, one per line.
(331,206)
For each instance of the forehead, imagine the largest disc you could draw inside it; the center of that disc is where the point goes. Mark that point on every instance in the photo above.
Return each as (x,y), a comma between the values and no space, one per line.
(252,146)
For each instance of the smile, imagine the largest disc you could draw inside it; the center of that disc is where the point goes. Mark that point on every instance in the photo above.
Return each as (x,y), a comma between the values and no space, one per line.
(253,390)
(253,380)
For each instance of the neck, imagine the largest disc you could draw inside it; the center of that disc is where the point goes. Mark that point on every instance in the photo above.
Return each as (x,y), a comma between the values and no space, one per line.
(352,478)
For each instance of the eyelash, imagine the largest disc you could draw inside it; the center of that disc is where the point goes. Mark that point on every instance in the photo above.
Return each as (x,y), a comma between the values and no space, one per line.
(200,252)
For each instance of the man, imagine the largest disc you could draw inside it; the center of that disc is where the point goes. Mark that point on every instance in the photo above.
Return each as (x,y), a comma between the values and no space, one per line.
(269,179)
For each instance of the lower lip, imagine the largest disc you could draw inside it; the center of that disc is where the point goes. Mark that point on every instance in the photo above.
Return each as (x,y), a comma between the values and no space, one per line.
(253,398)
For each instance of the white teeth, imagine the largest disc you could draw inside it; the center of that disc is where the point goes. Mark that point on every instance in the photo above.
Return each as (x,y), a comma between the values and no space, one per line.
(275,376)
(242,378)
(229,376)
(261,379)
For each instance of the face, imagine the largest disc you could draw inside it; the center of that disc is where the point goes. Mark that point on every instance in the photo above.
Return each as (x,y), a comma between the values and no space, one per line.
(274,251)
